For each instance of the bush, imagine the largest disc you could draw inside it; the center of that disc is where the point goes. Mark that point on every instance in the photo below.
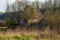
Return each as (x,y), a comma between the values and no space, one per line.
(32,14)
(12,24)
(53,18)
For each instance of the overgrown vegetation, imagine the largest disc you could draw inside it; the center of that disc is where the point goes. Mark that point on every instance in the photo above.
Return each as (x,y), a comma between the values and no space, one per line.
(52,16)
(30,22)
(30,14)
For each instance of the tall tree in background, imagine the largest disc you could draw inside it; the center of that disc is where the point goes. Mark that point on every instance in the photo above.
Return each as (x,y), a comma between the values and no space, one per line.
(32,14)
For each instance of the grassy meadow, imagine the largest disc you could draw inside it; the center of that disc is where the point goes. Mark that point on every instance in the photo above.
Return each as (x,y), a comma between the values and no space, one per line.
(45,34)
(51,32)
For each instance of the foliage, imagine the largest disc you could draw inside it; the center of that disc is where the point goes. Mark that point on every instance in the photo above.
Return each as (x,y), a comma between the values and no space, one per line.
(13,19)
(52,17)
(30,12)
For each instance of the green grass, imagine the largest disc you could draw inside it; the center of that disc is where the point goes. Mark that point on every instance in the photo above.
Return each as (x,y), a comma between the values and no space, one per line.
(17,38)
(27,37)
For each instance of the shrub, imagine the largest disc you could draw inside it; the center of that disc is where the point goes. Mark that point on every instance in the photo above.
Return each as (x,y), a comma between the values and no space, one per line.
(53,18)
(32,14)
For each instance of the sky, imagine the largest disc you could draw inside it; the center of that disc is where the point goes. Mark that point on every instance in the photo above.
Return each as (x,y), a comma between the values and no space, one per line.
(39,0)
(3,4)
